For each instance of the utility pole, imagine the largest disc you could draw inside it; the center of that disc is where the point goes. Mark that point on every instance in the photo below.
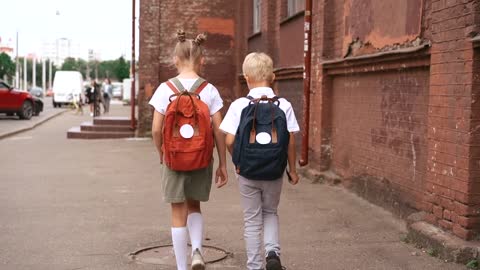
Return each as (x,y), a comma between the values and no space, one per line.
(132,90)
(25,83)
(44,76)
(17,67)
(34,71)
(50,73)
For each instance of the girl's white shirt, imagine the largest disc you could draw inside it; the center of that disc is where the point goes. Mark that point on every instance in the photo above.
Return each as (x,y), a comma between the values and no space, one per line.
(209,95)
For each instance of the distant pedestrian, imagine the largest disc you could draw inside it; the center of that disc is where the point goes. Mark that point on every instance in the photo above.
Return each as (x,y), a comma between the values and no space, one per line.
(93,97)
(260,136)
(107,92)
(78,103)
(185,188)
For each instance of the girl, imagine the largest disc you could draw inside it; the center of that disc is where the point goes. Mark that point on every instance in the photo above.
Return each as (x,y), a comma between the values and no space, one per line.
(185,190)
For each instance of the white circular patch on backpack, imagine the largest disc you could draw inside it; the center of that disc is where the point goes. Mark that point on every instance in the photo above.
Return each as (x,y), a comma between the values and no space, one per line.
(263,138)
(186,131)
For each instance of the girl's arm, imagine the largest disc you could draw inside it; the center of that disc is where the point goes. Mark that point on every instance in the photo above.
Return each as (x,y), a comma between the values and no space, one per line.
(221,173)
(157,125)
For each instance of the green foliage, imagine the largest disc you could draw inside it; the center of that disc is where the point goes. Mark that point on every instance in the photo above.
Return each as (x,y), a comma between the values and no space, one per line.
(122,69)
(473,264)
(7,66)
(432,252)
(118,69)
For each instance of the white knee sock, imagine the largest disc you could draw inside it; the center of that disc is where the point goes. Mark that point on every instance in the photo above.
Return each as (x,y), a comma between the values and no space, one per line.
(179,239)
(195,228)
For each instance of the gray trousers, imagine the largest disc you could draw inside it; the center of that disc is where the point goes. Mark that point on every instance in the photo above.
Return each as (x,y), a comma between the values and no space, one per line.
(260,201)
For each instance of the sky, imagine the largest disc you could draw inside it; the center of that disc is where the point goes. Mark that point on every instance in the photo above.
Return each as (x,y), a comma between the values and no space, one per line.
(104,26)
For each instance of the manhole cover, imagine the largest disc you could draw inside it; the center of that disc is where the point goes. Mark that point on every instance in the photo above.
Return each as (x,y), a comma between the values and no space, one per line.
(163,255)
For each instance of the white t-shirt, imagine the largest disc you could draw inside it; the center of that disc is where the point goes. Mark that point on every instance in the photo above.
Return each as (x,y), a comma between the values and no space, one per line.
(232,118)
(209,95)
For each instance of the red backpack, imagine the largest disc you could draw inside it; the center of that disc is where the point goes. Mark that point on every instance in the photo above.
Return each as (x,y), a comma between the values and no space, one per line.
(187,129)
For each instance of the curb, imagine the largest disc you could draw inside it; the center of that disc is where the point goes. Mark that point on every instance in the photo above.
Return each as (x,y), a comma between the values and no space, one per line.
(442,244)
(11,133)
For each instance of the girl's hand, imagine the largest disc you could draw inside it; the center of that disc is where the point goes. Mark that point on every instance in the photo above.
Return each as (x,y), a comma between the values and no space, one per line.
(221,177)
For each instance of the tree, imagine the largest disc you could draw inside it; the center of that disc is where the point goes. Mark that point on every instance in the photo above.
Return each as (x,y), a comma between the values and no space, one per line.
(121,69)
(7,66)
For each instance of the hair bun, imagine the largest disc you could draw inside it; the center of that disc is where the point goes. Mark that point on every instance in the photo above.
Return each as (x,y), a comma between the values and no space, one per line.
(200,39)
(181,36)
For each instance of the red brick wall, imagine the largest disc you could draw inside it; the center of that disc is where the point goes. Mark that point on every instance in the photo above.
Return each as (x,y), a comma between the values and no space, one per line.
(451,190)
(379,125)
(291,53)
(159,21)
(351,128)
(149,69)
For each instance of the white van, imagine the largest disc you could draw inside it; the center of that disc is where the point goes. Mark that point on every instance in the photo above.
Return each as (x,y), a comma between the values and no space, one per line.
(66,85)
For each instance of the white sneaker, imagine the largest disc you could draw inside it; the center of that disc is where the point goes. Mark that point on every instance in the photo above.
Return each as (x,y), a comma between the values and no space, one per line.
(91,114)
(197,260)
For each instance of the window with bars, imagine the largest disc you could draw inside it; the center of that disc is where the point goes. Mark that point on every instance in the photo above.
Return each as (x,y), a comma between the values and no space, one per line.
(256,15)
(295,6)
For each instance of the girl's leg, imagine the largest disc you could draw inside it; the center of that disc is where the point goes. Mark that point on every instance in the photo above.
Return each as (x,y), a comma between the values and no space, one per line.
(180,234)
(195,224)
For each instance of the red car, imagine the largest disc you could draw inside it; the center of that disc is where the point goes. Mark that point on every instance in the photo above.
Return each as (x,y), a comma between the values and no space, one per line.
(13,101)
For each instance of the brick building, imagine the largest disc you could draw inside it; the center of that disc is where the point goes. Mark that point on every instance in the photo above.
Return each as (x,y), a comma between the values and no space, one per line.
(394,89)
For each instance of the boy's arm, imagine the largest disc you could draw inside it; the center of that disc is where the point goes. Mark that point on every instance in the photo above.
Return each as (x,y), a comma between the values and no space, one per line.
(221,177)
(292,157)
(157,125)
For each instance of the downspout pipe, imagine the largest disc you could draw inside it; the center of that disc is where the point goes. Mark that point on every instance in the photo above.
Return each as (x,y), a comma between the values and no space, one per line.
(307,55)
(132,90)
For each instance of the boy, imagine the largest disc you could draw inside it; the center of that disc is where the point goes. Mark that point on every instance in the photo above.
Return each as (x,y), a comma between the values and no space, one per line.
(260,198)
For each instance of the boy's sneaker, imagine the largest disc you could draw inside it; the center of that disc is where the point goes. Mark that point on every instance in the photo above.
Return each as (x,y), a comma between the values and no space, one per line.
(273,261)
(197,260)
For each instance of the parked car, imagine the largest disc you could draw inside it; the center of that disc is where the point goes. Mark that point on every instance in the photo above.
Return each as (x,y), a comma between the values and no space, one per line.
(36,91)
(21,103)
(117,89)
(38,106)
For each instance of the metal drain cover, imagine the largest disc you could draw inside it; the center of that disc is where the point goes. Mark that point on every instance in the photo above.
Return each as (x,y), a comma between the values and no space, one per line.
(163,255)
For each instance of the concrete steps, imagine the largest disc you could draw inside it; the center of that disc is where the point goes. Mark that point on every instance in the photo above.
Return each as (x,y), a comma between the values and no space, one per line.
(103,128)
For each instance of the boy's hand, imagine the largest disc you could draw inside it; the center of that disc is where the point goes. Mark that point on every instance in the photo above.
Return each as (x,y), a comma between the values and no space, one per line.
(221,177)
(161,157)
(294,178)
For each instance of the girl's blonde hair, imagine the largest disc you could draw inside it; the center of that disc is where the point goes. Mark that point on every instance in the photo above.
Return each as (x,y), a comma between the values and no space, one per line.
(189,50)
(258,67)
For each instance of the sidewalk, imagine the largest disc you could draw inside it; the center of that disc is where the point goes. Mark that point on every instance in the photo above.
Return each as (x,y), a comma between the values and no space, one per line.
(10,125)
(76,204)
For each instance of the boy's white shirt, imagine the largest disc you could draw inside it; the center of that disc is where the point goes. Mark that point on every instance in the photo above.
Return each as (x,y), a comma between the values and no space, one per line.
(209,95)
(232,118)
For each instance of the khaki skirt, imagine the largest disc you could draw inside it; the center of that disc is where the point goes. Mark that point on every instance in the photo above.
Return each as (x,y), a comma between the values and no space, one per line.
(180,186)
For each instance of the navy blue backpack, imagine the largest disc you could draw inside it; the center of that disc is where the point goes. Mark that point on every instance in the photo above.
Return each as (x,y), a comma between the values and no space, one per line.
(260,150)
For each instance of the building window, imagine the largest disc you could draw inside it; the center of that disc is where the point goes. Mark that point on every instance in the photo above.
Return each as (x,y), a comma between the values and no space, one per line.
(256,15)
(295,6)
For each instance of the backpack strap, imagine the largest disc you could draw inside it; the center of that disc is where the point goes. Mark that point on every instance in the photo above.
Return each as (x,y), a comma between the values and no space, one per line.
(171,86)
(198,86)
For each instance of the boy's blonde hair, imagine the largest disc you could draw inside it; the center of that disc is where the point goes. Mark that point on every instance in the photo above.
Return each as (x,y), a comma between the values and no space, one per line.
(189,50)
(258,67)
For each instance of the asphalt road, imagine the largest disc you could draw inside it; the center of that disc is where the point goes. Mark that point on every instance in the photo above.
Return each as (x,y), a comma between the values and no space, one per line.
(75,204)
